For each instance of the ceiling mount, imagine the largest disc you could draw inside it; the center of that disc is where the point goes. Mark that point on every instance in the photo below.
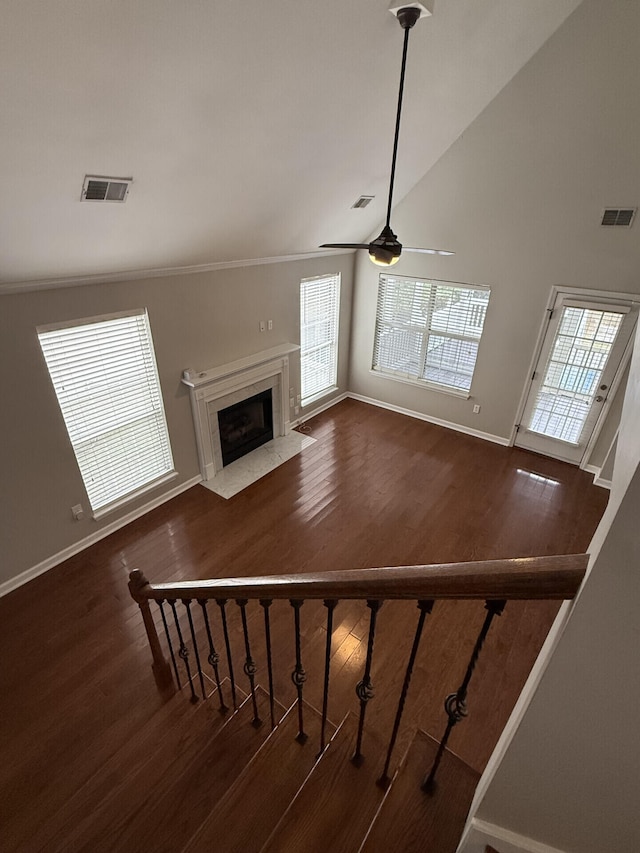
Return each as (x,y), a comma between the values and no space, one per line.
(386,249)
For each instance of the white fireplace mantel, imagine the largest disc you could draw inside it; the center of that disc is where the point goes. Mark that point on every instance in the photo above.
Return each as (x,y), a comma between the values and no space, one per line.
(215,389)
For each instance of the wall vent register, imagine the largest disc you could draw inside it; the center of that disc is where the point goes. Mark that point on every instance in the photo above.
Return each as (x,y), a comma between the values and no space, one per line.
(101,188)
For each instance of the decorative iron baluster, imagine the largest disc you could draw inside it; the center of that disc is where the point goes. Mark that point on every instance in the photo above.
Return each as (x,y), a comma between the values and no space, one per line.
(249,666)
(456,703)
(425,608)
(298,676)
(222,604)
(330,604)
(169,644)
(214,657)
(183,652)
(265,603)
(364,688)
(187,604)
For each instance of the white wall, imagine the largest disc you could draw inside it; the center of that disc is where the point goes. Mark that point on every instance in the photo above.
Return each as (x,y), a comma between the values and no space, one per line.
(519,197)
(198,321)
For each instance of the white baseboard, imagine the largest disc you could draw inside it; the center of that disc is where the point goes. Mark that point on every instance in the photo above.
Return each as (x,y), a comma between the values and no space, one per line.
(476,433)
(597,479)
(479,833)
(322,408)
(29,574)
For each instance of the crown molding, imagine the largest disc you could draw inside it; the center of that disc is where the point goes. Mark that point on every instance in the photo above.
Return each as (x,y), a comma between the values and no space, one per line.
(161,272)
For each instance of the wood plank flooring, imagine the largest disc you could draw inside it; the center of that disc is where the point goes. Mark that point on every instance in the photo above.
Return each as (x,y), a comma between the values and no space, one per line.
(376,489)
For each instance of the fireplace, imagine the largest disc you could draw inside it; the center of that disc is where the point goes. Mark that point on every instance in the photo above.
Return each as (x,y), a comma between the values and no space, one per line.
(228,385)
(245,426)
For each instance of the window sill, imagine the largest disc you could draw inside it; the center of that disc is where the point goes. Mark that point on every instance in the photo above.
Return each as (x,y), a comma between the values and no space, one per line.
(131,496)
(421,383)
(319,396)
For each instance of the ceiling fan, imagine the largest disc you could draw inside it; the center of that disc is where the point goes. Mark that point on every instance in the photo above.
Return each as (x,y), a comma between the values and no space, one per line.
(385,250)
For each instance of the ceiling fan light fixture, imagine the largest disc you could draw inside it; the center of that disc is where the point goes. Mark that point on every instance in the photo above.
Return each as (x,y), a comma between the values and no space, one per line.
(382,258)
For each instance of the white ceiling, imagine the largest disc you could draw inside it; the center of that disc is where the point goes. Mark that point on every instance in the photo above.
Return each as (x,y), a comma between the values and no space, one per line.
(249,128)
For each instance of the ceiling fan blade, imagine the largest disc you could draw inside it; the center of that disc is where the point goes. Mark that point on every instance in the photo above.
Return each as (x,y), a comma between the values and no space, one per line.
(344,246)
(427,251)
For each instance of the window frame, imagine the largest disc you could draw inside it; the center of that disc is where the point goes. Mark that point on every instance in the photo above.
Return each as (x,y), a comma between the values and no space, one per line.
(76,408)
(332,343)
(426,332)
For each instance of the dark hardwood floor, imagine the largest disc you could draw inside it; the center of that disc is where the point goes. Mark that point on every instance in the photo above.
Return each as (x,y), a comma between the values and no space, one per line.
(376,489)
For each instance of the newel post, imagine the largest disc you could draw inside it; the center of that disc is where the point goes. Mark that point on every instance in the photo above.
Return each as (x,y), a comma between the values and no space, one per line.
(160,667)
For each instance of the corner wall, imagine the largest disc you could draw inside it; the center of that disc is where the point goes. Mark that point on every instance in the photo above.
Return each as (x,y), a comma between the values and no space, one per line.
(199,320)
(569,777)
(519,198)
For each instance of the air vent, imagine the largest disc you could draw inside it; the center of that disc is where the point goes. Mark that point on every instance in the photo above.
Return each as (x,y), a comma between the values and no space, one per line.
(363,201)
(622,217)
(100,188)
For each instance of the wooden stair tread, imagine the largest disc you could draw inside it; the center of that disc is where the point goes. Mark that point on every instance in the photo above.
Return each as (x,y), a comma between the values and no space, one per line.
(173,751)
(337,802)
(244,819)
(165,725)
(412,821)
(172,816)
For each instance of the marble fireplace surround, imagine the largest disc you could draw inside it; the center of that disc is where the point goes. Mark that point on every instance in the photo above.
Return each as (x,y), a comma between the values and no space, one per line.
(219,387)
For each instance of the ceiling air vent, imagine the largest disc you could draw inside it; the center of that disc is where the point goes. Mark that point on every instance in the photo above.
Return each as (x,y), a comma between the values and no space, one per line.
(619,216)
(100,188)
(363,201)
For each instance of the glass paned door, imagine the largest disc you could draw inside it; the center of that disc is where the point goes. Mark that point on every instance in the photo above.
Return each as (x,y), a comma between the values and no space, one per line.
(580,356)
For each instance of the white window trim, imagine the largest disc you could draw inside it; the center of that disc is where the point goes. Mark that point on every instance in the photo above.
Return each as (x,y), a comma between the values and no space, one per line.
(408,379)
(79,403)
(462,393)
(334,344)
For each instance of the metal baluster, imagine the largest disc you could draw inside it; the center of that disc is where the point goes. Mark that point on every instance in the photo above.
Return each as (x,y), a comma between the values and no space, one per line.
(170,644)
(249,666)
(222,604)
(266,603)
(425,608)
(455,704)
(298,676)
(214,657)
(364,688)
(330,604)
(183,652)
(187,604)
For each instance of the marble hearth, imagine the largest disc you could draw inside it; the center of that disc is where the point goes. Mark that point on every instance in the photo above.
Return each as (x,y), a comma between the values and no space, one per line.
(220,387)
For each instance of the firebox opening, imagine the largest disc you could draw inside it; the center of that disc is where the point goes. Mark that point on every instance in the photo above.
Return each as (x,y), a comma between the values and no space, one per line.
(245,426)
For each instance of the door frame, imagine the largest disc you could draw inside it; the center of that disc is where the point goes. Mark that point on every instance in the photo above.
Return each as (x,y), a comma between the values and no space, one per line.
(577,293)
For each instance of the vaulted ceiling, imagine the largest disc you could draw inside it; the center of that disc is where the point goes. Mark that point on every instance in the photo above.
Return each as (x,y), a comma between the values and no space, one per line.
(249,128)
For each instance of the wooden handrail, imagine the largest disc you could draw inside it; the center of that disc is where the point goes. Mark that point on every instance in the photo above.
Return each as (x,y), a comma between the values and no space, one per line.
(555,577)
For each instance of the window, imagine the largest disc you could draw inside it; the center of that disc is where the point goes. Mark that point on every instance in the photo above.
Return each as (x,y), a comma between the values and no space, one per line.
(104,373)
(319,310)
(429,331)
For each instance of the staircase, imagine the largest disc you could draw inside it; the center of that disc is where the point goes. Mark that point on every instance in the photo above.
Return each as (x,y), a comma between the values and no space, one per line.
(233,771)
(202,780)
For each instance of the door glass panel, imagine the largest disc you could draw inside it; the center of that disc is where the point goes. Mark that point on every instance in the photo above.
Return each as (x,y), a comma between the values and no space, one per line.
(579,355)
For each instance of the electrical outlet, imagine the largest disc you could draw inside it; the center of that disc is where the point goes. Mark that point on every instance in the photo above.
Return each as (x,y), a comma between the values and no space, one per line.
(262,326)
(476,409)
(270,325)
(77,512)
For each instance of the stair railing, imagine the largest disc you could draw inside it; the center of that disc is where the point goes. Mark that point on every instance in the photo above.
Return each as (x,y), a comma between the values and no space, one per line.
(493,581)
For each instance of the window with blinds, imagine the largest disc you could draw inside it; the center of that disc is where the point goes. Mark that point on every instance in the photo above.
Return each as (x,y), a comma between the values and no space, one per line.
(319,315)
(429,331)
(104,373)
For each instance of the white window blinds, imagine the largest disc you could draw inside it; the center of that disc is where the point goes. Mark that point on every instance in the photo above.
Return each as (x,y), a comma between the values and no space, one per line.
(104,374)
(319,313)
(429,331)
